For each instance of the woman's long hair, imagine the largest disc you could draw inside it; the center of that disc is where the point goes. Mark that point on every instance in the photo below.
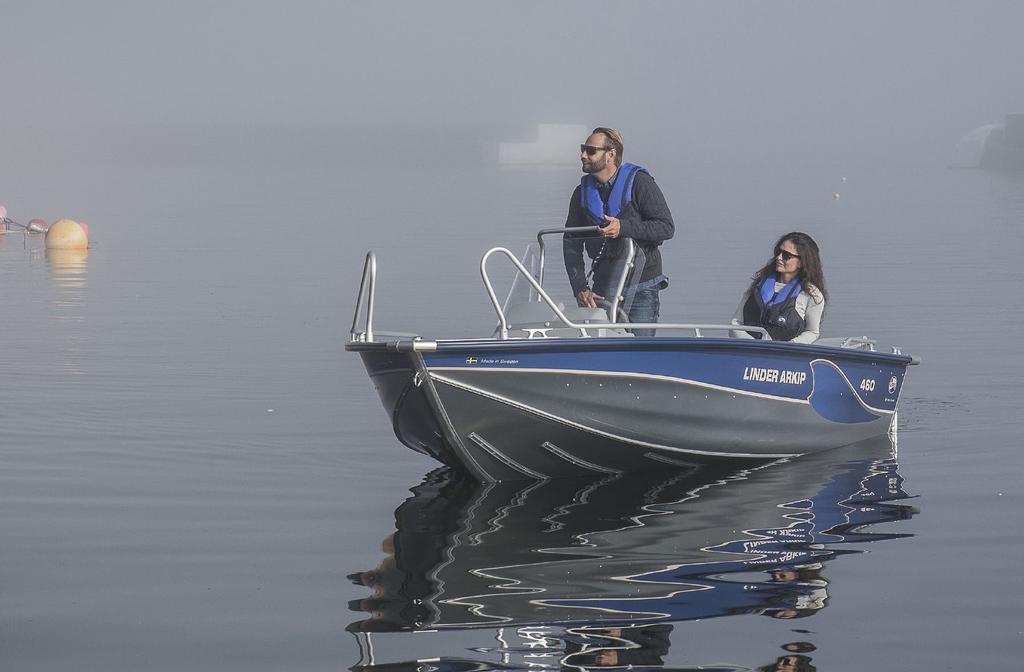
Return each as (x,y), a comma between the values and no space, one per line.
(810,272)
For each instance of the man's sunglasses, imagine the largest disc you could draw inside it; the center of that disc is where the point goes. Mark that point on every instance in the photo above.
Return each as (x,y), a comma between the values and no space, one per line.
(590,150)
(786,255)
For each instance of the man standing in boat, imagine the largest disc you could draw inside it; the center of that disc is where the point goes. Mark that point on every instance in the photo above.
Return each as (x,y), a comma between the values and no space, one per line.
(624,200)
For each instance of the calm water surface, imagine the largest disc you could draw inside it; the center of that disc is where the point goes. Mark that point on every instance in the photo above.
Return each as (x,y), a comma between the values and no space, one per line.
(195,476)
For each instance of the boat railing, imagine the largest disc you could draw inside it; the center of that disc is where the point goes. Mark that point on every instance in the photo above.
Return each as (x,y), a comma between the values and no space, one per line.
(585,328)
(367,285)
(562,230)
(619,283)
(850,342)
(541,294)
(362,321)
(362,330)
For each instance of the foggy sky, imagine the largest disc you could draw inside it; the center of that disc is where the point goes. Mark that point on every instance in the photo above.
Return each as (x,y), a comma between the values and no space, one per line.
(733,70)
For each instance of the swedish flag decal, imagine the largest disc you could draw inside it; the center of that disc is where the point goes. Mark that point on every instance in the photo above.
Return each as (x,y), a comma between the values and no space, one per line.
(471,360)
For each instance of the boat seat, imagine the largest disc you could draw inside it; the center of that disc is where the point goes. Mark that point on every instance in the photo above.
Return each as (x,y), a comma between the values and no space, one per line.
(590,315)
(532,314)
(524,319)
(540,314)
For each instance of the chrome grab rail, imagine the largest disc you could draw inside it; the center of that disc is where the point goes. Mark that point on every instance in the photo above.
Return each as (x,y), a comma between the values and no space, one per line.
(367,287)
(620,285)
(367,292)
(585,327)
(502,320)
(563,230)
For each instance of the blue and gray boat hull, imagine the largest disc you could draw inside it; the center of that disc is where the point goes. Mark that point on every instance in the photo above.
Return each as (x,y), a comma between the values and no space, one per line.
(537,409)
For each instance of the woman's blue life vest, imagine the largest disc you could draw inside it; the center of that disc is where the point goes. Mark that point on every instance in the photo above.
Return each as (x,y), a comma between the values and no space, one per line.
(775,311)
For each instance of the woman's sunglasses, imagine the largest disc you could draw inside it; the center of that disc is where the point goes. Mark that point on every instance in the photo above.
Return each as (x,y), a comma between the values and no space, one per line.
(590,150)
(786,255)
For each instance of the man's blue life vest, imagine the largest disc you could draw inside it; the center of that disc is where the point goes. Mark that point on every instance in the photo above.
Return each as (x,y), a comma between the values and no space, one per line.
(620,196)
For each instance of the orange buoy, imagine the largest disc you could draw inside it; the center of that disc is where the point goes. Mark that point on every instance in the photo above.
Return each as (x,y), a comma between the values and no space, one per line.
(67,234)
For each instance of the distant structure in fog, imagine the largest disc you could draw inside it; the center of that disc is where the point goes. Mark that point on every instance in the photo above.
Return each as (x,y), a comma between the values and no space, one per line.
(555,144)
(1004,146)
(998,146)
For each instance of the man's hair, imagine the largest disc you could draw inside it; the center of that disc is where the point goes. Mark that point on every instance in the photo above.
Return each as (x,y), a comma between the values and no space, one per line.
(614,141)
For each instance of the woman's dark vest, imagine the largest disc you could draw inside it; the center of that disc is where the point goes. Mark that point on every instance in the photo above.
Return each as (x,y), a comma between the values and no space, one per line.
(775,311)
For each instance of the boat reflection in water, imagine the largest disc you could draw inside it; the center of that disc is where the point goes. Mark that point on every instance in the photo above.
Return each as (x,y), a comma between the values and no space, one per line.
(591,573)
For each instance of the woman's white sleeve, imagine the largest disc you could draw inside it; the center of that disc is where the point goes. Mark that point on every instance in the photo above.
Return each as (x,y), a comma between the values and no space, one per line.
(812,320)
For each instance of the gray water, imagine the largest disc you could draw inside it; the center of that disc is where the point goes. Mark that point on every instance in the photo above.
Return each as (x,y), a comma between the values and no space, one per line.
(191,466)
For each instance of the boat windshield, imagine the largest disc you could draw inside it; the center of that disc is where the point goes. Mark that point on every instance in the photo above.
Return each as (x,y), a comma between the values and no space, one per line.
(618,265)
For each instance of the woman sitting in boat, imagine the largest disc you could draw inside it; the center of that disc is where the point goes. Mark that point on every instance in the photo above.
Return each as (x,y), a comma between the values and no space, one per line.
(787,295)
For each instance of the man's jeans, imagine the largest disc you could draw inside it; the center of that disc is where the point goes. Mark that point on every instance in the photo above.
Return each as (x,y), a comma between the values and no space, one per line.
(646,305)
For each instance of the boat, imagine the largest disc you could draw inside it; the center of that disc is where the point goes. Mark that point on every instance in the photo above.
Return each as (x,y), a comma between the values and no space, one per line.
(560,391)
(1004,145)
(629,550)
